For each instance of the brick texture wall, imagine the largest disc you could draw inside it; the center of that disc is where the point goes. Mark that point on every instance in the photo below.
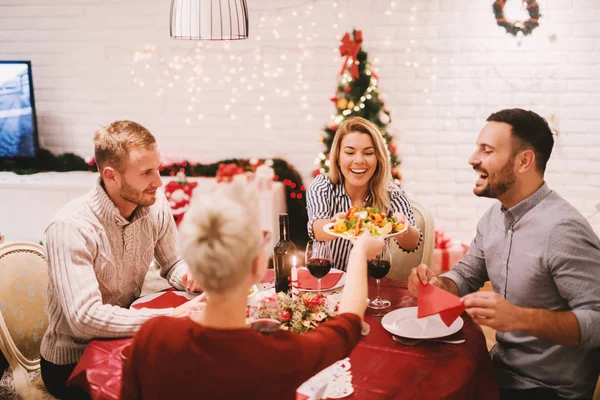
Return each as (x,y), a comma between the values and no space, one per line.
(443,65)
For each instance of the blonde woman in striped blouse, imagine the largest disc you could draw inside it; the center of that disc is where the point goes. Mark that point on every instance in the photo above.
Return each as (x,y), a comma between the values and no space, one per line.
(360,176)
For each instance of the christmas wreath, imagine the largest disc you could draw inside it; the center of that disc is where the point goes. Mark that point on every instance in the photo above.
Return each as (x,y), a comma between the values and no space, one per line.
(514,27)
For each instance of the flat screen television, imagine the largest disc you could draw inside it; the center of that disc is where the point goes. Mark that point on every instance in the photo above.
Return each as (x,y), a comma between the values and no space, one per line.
(18,125)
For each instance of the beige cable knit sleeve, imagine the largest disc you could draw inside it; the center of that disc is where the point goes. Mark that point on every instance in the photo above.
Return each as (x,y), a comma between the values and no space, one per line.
(72,248)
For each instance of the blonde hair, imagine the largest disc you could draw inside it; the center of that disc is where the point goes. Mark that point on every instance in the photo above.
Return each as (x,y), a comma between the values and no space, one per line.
(113,142)
(381,181)
(221,236)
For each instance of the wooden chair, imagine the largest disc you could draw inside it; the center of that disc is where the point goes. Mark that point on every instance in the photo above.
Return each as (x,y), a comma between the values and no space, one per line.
(23,319)
(403,262)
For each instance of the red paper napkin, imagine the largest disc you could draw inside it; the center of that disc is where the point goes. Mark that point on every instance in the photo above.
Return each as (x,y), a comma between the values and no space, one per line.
(166,300)
(307,281)
(269,276)
(433,300)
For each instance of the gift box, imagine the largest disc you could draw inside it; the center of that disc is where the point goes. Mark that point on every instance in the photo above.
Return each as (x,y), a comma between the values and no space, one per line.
(447,253)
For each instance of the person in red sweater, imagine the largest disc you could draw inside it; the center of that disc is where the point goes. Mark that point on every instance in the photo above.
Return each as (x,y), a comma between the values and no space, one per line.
(213,354)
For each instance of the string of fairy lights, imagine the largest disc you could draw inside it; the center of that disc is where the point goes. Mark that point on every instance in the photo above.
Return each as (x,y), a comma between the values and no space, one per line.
(261,70)
(270,67)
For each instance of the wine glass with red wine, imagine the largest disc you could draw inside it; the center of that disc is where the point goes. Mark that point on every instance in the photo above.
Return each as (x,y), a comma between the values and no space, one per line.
(377,268)
(318,260)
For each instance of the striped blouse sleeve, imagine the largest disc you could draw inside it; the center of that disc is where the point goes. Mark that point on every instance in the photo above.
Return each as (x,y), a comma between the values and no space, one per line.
(399,203)
(318,201)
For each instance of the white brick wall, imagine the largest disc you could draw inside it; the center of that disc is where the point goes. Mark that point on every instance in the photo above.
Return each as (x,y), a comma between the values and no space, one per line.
(83,54)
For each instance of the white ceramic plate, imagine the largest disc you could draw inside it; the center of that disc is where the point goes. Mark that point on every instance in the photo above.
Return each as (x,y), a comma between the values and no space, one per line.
(345,235)
(253,291)
(404,322)
(338,285)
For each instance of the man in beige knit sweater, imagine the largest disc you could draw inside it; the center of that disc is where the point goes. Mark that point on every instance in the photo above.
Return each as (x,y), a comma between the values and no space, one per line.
(99,248)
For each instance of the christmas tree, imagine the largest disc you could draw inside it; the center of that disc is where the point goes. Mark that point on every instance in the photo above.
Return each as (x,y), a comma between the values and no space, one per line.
(358,95)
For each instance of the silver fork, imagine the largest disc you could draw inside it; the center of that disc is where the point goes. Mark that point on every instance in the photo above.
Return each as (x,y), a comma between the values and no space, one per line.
(412,342)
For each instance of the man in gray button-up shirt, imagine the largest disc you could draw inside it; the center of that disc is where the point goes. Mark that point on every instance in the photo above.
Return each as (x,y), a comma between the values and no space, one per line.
(543,260)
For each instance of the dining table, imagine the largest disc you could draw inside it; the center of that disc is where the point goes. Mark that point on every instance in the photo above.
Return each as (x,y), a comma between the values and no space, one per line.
(381,368)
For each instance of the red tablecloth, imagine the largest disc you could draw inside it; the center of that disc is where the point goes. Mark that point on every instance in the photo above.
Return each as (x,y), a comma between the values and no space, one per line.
(381,368)
(384,369)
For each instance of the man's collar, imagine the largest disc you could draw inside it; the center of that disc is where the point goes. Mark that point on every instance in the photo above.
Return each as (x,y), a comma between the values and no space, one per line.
(522,208)
(104,207)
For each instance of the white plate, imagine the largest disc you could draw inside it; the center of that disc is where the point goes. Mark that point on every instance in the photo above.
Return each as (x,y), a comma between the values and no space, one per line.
(345,235)
(147,298)
(404,322)
(338,285)
(253,291)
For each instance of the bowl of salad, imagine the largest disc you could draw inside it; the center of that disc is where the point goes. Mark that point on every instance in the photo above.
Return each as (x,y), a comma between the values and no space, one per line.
(370,219)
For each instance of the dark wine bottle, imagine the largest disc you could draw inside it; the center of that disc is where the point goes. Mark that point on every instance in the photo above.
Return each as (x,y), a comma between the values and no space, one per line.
(283,255)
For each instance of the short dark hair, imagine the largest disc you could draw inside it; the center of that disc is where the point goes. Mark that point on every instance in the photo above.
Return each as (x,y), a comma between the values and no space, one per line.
(531,130)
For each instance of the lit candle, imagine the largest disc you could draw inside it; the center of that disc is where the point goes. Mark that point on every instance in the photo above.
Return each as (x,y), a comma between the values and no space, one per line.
(295,290)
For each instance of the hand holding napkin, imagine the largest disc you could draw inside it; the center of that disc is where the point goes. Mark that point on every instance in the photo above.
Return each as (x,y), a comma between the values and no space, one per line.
(433,300)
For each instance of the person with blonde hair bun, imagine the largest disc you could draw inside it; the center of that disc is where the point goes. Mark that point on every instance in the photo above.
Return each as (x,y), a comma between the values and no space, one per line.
(213,353)
(359,175)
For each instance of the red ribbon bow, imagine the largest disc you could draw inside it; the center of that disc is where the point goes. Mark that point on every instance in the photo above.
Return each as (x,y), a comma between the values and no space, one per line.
(350,48)
(442,241)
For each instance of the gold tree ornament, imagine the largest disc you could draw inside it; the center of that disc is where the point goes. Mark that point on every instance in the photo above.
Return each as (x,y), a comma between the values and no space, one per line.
(342,104)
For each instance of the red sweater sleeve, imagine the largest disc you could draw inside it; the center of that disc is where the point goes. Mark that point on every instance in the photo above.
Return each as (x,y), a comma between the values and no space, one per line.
(328,343)
(131,384)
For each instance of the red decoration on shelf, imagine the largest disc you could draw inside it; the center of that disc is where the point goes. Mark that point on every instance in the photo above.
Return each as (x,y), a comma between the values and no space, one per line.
(226,172)
(179,195)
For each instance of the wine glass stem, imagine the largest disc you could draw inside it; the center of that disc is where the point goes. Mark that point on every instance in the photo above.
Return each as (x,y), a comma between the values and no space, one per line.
(319,285)
(378,298)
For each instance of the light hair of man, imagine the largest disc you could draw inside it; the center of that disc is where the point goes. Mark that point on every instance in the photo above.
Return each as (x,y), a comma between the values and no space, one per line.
(380,182)
(221,236)
(112,143)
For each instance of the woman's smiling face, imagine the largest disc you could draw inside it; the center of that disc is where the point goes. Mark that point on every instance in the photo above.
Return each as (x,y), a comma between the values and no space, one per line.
(358,161)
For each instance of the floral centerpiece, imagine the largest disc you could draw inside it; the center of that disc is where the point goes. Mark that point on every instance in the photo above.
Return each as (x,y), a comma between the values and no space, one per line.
(298,314)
